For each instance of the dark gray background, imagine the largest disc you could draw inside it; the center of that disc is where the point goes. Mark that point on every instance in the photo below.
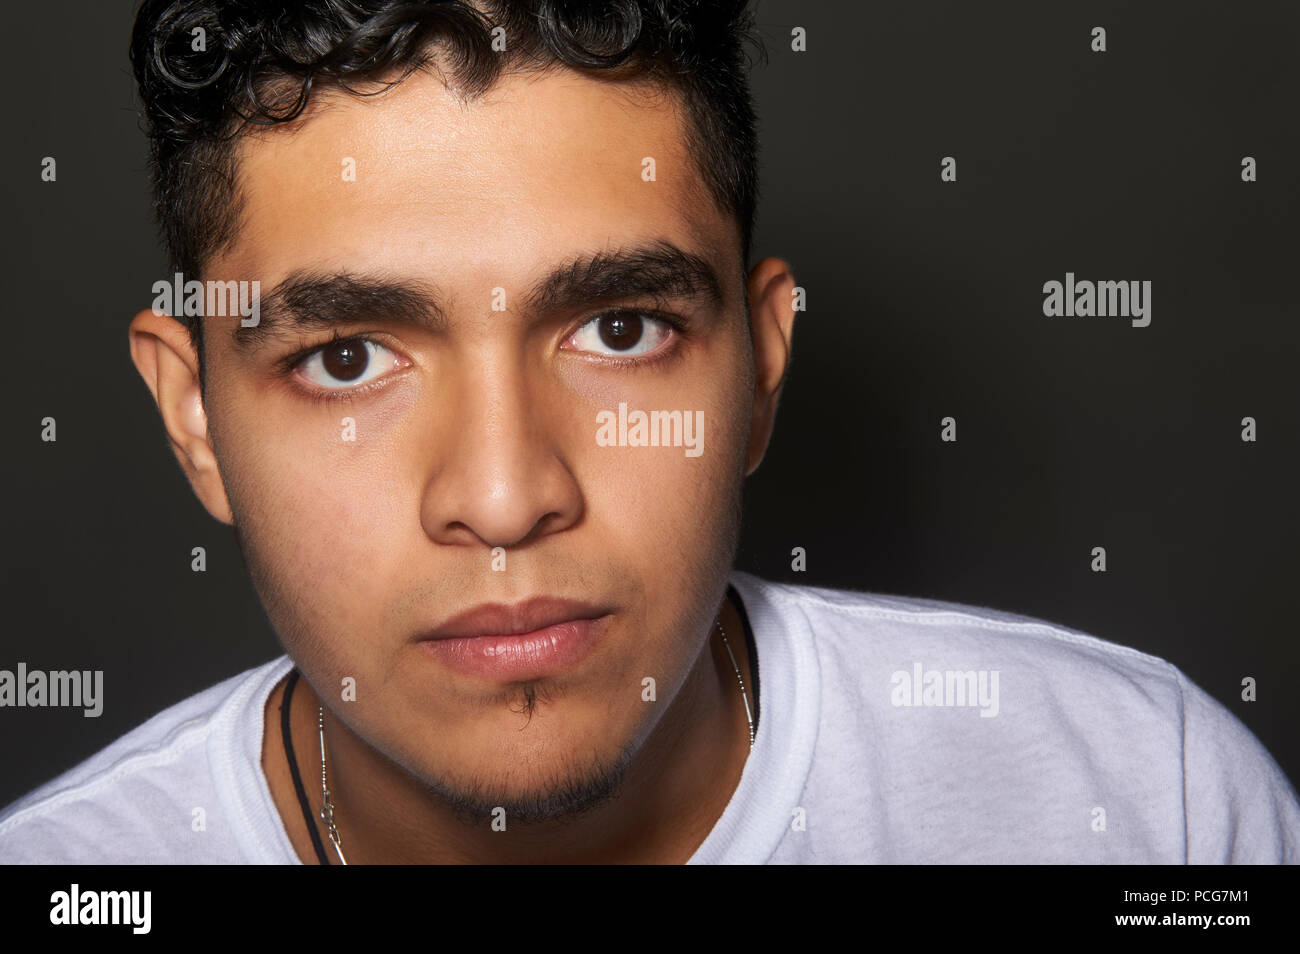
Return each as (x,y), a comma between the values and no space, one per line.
(924,300)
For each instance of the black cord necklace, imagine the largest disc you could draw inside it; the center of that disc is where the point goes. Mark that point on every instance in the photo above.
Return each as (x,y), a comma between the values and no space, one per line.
(293,768)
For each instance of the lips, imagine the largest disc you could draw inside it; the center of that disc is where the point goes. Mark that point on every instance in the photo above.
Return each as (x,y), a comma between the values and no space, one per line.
(506,642)
(501,619)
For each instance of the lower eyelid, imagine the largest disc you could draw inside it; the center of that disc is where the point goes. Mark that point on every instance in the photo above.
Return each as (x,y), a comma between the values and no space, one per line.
(346,395)
(665,352)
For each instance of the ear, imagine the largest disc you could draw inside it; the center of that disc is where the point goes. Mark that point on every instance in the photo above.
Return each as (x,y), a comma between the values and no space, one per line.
(165,358)
(771,320)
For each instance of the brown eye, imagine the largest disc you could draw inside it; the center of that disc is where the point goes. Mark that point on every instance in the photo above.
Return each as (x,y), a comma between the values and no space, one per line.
(620,332)
(345,365)
(345,360)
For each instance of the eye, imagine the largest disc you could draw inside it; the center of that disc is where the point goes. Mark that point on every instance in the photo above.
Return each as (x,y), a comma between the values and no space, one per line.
(348,363)
(626,333)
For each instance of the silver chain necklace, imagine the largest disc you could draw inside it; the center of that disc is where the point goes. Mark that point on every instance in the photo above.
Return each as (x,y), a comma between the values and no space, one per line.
(327,802)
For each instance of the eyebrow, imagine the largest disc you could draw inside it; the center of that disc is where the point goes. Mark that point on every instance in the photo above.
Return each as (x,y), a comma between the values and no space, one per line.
(312,300)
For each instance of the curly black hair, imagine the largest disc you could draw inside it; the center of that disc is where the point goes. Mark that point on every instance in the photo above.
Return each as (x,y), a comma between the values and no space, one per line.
(207,69)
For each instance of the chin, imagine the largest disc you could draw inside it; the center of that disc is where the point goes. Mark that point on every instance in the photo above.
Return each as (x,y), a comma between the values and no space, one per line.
(531,794)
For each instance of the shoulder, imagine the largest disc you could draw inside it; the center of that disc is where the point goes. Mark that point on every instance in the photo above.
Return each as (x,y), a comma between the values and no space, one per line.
(1240,804)
(1008,709)
(151,795)
(853,626)
(920,665)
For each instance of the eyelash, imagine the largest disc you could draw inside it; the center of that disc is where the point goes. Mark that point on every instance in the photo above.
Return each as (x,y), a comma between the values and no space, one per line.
(286,366)
(675,322)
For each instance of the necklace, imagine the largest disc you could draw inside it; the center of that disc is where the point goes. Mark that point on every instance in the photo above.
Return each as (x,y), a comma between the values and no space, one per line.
(327,801)
(740,679)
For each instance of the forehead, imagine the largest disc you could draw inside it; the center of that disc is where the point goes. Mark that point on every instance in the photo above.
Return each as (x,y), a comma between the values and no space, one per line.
(414,180)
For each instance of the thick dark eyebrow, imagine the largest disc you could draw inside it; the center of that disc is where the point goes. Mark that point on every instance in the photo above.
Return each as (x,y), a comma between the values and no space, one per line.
(311,301)
(658,270)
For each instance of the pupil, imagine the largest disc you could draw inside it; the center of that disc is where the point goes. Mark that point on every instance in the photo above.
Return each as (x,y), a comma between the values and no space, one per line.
(346,360)
(620,331)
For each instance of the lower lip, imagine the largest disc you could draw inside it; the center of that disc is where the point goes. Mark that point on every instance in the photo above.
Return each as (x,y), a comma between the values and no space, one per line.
(542,652)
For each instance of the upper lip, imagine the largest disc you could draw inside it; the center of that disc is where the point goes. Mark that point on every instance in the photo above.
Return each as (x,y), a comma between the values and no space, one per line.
(513,619)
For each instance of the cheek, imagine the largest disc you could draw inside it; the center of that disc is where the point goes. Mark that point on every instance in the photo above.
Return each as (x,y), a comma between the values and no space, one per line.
(658,502)
(320,514)
(670,516)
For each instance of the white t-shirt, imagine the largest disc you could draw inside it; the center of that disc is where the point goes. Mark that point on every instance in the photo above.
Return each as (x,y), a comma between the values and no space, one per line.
(891,730)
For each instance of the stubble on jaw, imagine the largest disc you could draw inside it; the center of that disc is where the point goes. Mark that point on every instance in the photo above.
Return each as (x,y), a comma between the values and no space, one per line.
(571,792)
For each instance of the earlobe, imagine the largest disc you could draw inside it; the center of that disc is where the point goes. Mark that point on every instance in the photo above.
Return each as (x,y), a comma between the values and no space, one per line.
(165,358)
(771,290)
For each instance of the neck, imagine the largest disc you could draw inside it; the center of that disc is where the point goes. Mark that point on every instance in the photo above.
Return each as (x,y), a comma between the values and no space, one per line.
(676,787)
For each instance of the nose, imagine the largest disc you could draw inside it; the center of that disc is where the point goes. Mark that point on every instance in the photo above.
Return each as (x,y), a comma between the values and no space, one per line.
(503,480)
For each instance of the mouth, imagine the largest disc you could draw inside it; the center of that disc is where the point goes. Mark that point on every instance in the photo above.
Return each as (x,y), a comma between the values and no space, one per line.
(508,642)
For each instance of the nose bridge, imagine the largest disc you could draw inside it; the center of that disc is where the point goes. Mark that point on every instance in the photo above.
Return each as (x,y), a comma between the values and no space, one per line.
(504,472)
(499,433)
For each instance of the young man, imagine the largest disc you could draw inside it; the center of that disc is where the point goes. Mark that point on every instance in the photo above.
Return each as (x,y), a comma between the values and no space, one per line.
(483,442)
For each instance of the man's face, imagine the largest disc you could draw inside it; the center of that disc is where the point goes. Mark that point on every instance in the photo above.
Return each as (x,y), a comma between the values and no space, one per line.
(371,486)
